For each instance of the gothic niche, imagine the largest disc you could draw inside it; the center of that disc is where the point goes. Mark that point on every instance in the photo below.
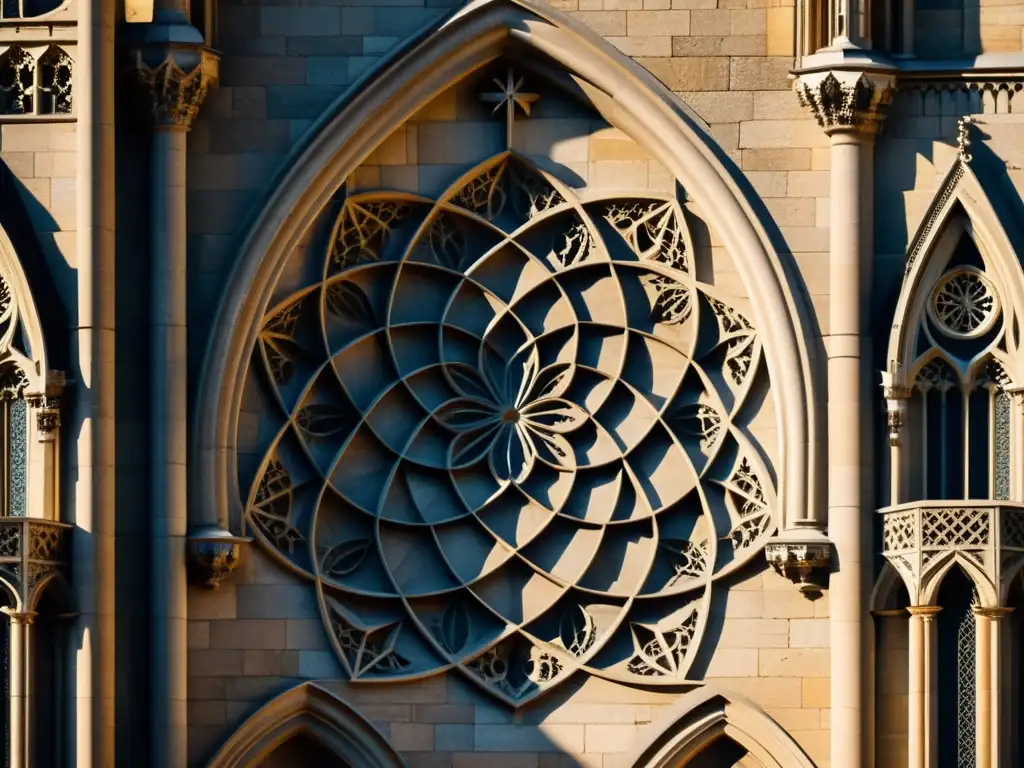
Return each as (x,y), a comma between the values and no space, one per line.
(505,435)
(959,387)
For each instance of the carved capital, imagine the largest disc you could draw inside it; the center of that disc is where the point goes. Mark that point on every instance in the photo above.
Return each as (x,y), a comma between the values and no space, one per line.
(925,612)
(176,86)
(212,555)
(803,559)
(991,613)
(846,101)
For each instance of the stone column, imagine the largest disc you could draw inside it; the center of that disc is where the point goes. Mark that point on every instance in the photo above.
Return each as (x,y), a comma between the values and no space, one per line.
(923,704)
(175,82)
(848,107)
(91,447)
(987,672)
(20,670)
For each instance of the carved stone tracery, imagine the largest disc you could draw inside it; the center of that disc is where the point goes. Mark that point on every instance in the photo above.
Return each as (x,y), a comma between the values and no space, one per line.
(494,413)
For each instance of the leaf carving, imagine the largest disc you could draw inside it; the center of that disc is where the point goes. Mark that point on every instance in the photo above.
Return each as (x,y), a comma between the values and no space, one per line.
(343,559)
(348,300)
(454,628)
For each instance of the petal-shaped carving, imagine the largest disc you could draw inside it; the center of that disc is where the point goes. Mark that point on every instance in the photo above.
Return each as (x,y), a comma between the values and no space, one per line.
(553,414)
(323,419)
(346,299)
(454,627)
(343,559)
(468,383)
(552,381)
(471,446)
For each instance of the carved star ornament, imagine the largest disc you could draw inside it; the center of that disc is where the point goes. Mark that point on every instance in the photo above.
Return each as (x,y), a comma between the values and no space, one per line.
(506,434)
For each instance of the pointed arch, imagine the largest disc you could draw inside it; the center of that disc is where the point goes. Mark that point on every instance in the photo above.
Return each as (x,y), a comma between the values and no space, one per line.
(936,572)
(622,91)
(312,711)
(707,714)
(960,208)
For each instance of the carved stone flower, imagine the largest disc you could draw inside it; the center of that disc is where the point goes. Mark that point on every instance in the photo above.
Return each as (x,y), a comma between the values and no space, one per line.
(505,433)
(514,420)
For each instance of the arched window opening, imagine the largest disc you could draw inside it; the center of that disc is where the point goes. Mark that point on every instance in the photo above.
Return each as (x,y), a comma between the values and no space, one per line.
(957,674)
(959,414)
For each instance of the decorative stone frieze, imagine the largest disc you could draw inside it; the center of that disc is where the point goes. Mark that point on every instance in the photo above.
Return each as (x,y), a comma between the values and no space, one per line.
(803,556)
(845,100)
(31,551)
(212,555)
(987,537)
(174,68)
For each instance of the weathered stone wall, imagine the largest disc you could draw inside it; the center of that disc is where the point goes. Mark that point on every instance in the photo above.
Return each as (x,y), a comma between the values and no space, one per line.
(261,634)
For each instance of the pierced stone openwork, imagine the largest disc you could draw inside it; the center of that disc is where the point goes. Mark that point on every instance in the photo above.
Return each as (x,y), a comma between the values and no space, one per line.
(35,81)
(919,538)
(964,303)
(505,435)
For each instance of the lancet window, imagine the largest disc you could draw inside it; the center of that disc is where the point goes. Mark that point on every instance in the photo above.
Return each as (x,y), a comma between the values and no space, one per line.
(959,423)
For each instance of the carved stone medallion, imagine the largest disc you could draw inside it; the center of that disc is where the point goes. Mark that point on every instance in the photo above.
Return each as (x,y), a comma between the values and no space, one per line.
(505,435)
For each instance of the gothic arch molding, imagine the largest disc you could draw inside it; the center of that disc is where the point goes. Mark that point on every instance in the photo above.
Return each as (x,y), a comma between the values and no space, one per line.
(629,98)
(707,714)
(315,712)
(960,208)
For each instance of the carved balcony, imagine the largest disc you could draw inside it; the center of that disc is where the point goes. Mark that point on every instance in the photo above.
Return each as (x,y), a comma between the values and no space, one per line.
(922,539)
(31,552)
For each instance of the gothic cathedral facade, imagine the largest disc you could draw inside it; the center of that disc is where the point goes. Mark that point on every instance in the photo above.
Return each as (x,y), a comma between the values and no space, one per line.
(512,383)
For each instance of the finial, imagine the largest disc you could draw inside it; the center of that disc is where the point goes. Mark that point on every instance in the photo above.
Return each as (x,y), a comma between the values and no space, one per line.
(510,95)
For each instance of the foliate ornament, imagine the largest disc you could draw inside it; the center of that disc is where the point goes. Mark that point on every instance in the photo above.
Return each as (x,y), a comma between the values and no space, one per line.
(55,71)
(963,138)
(17,82)
(964,303)
(175,94)
(490,445)
(843,100)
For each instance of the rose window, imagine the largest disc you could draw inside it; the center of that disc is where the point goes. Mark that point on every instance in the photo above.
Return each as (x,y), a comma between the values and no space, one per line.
(504,432)
(964,303)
